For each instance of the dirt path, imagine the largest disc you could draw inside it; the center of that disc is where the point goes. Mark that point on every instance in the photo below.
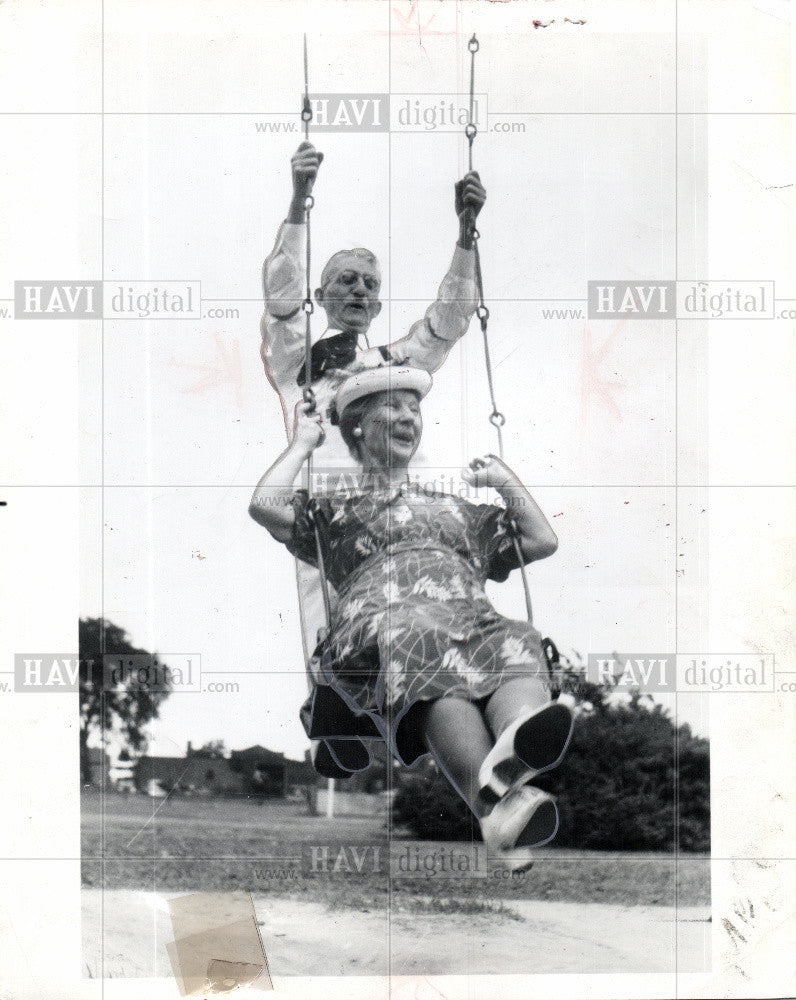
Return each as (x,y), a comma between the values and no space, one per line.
(303,938)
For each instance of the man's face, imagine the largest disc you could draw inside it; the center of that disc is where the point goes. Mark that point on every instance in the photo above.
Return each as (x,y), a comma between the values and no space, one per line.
(351,296)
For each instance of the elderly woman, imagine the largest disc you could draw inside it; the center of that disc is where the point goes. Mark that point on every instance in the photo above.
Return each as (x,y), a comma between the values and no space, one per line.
(415,645)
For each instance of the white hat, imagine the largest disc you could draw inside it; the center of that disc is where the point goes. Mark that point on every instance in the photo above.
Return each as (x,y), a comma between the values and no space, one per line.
(382,379)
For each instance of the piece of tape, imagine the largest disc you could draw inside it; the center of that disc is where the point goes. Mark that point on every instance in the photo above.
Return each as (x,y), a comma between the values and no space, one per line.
(217,947)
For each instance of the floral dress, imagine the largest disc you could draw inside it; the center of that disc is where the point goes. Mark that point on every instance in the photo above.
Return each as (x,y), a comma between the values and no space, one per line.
(412,622)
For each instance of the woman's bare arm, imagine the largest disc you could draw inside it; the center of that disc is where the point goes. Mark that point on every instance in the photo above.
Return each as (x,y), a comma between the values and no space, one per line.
(536,536)
(271,504)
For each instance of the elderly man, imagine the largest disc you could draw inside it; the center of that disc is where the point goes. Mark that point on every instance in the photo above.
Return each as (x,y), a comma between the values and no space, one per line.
(349,295)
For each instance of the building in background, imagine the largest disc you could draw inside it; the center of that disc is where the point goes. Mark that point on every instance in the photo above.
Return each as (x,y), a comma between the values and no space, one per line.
(255,771)
(198,772)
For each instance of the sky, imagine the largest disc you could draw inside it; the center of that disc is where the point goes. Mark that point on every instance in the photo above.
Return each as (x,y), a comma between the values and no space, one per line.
(179,421)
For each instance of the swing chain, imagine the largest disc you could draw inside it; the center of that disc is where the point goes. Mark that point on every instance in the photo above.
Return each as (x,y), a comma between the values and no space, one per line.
(307,305)
(496,417)
(514,530)
(309,308)
(314,519)
(470,129)
(307,392)
(306,107)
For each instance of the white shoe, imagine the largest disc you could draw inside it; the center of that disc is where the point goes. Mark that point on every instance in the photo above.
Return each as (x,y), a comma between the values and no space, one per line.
(534,743)
(524,817)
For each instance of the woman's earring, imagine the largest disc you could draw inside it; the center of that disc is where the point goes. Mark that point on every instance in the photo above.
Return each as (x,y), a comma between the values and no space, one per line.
(356,432)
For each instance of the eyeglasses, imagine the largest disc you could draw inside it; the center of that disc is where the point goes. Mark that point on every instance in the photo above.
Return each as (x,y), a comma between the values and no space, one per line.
(349,277)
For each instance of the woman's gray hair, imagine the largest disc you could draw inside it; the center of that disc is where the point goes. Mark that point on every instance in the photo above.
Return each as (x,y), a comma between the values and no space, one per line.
(351,417)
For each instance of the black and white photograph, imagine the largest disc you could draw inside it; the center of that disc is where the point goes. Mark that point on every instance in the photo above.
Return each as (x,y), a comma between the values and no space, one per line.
(397,500)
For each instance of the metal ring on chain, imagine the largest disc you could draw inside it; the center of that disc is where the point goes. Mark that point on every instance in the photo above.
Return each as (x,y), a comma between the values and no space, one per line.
(496,418)
(308,306)
(312,512)
(482,312)
(309,202)
(306,114)
(474,234)
(473,45)
(470,131)
(308,395)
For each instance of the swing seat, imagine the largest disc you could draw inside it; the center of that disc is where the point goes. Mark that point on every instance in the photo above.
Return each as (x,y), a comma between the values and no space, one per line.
(343,733)
(327,717)
(341,758)
(341,750)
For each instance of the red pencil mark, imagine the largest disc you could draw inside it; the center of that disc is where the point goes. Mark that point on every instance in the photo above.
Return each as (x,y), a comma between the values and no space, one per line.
(410,23)
(414,13)
(592,381)
(409,988)
(226,369)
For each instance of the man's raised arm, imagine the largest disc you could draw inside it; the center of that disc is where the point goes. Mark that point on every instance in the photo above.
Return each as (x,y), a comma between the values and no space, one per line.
(282,325)
(429,341)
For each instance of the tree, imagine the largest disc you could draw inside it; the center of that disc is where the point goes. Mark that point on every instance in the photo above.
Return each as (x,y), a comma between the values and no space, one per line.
(213,748)
(123,700)
(615,787)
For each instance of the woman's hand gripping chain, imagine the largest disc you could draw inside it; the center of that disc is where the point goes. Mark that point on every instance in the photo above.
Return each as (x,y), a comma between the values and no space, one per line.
(487,471)
(308,429)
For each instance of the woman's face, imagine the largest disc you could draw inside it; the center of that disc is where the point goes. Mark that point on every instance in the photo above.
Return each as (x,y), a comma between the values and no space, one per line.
(391,429)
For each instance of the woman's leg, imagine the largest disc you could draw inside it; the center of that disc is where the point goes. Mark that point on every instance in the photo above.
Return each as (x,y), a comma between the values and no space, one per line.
(456,734)
(531,733)
(513,699)
(458,739)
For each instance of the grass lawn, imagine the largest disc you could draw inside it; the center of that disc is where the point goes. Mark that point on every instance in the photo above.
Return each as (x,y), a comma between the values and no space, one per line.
(171,845)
